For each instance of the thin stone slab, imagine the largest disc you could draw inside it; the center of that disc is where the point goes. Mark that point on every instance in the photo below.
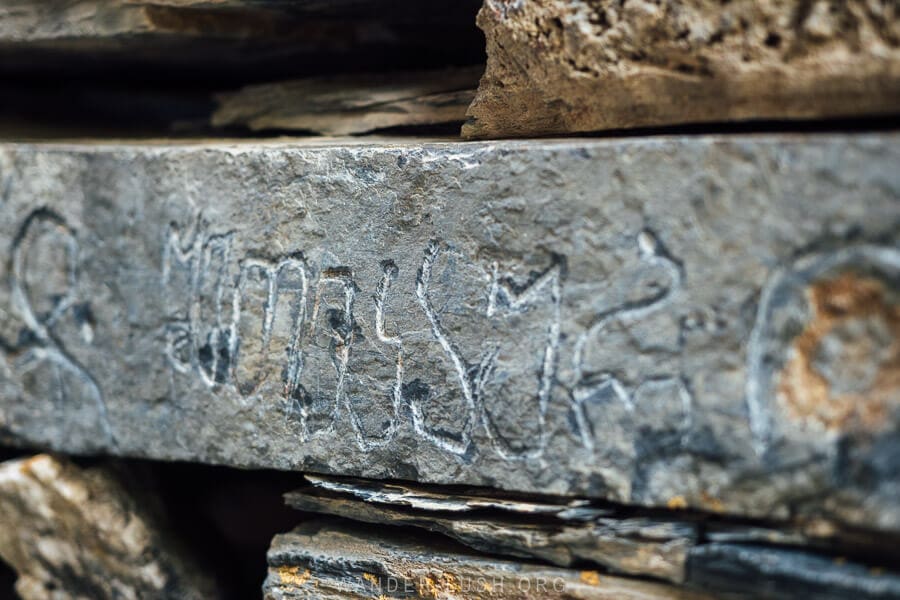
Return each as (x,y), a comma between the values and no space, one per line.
(718,553)
(697,322)
(336,560)
(636,546)
(759,572)
(116,23)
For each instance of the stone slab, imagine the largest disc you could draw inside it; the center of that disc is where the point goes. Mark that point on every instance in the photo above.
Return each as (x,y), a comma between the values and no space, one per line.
(558,66)
(755,572)
(630,546)
(697,322)
(84,23)
(334,560)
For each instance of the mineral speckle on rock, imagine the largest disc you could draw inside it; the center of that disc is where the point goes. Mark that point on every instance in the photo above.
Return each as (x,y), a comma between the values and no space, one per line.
(560,66)
(73,533)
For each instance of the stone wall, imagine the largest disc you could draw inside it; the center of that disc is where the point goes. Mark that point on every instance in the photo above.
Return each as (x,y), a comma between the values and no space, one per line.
(663,363)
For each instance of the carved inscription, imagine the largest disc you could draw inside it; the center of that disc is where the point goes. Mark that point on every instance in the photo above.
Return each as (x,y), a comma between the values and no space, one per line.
(318,384)
(269,346)
(279,329)
(508,297)
(276,328)
(43,284)
(325,347)
(197,339)
(594,385)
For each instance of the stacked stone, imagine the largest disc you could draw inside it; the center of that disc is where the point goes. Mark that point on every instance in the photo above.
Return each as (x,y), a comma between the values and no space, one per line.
(650,366)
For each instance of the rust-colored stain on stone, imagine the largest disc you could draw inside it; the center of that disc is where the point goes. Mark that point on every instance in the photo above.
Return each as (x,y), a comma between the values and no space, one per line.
(293,576)
(676,503)
(440,585)
(590,577)
(710,502)
(843,372)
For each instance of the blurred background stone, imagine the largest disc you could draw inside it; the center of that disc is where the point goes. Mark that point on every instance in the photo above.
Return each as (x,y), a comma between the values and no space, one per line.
(561,66)
(78,533)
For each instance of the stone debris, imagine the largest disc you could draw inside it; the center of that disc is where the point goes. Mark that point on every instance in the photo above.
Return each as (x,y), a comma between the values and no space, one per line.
(561,66)
(73,533)
(621,320)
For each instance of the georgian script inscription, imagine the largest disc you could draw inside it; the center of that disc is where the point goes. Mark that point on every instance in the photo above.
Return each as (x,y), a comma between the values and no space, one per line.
(326,346)
(281,329)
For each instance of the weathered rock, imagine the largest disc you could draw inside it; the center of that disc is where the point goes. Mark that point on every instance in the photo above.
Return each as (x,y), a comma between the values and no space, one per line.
(759,572)
(635,546)
(242,40)
(559,66)
(352,104)
(628,320)
(328,561)
(78,533)
(657,544)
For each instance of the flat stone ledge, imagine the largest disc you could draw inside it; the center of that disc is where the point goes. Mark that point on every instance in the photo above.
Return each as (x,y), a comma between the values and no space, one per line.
(699,322)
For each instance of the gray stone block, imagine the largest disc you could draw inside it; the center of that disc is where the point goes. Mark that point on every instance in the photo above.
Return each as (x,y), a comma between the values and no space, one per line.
(332,560)
(698,322)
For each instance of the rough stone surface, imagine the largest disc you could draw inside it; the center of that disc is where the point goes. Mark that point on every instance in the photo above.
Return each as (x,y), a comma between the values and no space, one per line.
(570,535)
(559,66)
(700,550)
(331,560)
(74,533)
(624,320)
